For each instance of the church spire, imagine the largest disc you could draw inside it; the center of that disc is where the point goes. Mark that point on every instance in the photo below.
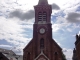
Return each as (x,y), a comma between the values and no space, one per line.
(43,2)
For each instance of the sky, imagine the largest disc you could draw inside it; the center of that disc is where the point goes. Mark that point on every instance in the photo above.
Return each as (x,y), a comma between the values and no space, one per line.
(17,19)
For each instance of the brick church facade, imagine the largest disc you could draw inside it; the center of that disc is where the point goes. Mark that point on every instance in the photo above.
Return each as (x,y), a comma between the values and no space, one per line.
(42,46)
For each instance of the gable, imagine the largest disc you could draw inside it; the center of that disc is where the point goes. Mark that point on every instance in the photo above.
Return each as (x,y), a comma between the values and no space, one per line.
(41,56)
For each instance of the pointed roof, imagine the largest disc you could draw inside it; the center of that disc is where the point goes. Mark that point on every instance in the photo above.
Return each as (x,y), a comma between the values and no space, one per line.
(41,54)
(5,51)
(43,2)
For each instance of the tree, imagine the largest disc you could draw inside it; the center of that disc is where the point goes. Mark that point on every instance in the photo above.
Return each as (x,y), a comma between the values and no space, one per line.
(63,57)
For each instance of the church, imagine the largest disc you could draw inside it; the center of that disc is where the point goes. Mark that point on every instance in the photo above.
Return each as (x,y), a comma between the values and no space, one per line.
(42,46)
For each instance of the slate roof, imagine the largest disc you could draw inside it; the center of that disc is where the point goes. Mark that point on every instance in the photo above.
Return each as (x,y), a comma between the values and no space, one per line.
(5,51)
(3,57)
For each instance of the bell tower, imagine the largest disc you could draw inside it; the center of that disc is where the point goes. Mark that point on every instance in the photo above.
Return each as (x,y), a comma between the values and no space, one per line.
(42,46)
(43,12)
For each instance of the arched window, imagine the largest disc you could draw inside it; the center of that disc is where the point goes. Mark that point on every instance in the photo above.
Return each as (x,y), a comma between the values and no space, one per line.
(44,16)
(56,55)
(40,16)
(28,55)
(42,43)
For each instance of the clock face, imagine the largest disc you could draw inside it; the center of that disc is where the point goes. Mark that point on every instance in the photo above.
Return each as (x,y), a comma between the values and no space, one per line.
(42,30)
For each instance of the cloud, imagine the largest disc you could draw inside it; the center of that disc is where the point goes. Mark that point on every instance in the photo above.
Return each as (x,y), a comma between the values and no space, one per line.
(18,50)
(68,53)
(60,24)
(78,9)
(29,14)
(8,46)
(56,26)
(79,33)
(14,32)
(55,7)
(73,17)
(21,15)
(69,29)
